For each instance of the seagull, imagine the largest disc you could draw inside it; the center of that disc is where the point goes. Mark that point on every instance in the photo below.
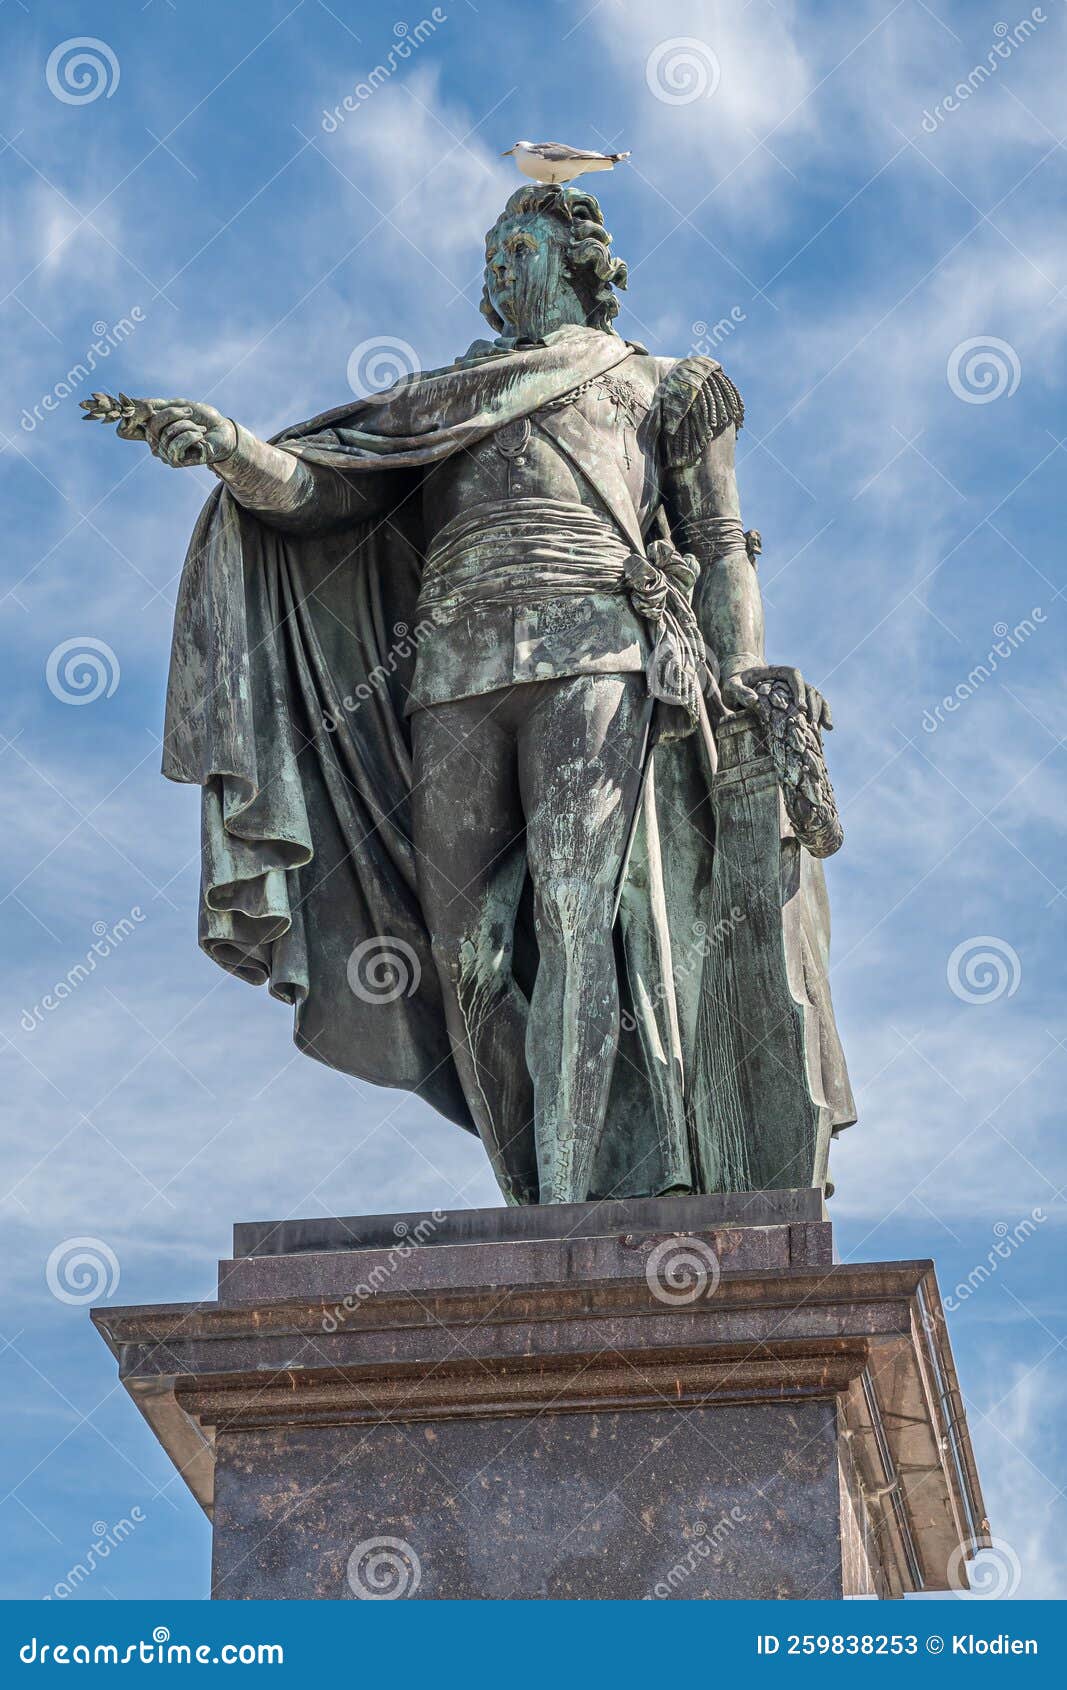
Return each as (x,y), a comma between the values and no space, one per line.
(551,161)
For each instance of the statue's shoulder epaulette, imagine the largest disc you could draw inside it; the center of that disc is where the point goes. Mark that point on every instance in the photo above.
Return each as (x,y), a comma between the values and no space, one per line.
(696,401)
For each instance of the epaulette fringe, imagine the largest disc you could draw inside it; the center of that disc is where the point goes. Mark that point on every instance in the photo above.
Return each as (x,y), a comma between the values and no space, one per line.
(697,401)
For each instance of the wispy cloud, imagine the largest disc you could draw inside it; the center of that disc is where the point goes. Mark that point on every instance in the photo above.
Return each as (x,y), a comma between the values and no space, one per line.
(901,525)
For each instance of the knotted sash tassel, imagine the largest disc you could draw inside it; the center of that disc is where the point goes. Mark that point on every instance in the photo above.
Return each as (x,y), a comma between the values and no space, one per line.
(660,588)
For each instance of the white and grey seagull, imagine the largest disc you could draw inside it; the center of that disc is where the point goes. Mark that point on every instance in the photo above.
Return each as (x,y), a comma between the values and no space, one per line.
(552,161)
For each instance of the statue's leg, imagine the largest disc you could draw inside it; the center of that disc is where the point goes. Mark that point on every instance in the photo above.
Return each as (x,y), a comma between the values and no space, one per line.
(469,836)
(580,745)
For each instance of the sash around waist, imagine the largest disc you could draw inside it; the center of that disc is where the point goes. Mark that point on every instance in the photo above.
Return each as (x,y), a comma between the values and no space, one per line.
(522,552)
(529,552)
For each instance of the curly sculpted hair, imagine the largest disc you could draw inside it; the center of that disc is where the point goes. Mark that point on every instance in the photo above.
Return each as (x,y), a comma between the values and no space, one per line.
(594,273)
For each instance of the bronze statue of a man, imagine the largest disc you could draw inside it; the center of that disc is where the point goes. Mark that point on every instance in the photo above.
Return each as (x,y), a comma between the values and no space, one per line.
(454,667)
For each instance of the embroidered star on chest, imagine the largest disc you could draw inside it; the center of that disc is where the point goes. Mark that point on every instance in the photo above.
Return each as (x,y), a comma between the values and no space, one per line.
(626,398)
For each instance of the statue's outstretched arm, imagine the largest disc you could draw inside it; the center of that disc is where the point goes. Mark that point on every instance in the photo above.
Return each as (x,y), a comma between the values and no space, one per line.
(281,487)
(290,492)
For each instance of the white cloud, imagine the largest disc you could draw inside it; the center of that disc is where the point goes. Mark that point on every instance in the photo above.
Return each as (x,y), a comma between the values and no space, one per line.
(729,75)
(1019,1440)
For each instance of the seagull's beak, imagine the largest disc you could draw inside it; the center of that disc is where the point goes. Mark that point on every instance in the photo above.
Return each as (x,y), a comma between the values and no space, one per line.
(508,153)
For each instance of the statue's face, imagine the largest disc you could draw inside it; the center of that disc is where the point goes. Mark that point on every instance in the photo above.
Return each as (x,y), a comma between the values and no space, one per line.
(526,276)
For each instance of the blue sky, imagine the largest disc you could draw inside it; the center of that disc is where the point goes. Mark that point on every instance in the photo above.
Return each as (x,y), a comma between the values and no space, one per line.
(888,274)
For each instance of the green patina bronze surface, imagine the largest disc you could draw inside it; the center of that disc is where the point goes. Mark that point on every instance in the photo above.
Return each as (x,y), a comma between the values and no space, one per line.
(498,789)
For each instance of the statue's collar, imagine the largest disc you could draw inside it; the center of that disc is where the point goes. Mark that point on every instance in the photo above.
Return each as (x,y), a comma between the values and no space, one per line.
(479,349)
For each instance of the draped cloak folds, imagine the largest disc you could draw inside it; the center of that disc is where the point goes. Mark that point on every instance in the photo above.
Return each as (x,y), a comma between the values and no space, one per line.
(291,660)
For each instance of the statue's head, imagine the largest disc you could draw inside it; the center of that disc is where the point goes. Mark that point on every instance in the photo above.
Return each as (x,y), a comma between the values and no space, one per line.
(548,262)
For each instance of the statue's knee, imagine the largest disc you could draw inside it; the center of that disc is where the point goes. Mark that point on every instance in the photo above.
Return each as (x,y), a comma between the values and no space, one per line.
(570,906)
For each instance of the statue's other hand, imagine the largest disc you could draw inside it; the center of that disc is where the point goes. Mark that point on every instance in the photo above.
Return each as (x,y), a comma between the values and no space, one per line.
(183,432)
(738,693)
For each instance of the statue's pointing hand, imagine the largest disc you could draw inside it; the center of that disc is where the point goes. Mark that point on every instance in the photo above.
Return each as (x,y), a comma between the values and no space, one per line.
(181,432)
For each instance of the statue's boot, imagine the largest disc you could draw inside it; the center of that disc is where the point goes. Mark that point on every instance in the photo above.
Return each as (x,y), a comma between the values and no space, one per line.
(567,1154)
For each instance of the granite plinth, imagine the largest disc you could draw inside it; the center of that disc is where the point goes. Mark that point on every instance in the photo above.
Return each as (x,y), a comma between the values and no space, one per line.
(677,1397)
(562,1220)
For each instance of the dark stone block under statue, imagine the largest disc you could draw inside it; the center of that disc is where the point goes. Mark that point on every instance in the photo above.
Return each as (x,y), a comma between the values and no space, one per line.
(678,1397)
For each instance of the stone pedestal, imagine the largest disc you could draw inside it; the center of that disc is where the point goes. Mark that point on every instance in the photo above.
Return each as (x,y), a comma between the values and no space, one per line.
(675,1397)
